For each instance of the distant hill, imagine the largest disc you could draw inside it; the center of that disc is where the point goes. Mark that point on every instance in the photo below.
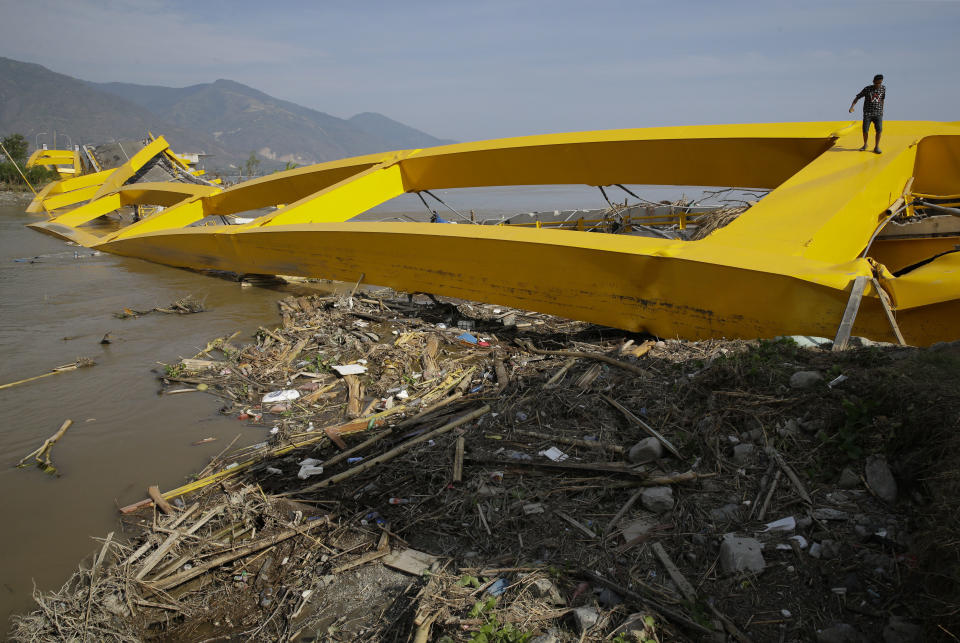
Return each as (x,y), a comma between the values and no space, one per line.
(35,100)
(404,136)
(245,119)
(223,118)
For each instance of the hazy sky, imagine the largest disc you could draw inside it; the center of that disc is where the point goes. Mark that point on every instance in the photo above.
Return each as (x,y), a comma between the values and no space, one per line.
(475,70)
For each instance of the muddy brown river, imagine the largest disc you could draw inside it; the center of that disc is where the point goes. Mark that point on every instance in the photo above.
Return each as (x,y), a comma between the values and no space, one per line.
(125,436)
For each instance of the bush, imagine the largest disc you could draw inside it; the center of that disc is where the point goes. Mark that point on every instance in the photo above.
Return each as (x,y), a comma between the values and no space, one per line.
(16,147)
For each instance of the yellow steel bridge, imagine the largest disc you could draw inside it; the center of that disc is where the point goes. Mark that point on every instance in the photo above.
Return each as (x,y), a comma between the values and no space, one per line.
(786,266)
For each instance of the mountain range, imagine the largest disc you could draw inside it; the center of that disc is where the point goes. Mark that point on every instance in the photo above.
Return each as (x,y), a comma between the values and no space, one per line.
(224,118)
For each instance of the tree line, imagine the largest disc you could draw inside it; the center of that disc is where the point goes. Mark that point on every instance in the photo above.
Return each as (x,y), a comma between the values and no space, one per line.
(10,175)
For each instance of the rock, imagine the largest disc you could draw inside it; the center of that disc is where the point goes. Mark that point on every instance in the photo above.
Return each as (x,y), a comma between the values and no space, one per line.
(585,617)
(805,379)
(608,598)
(741,555)
(880,478)
(544,588)
(810,341)
(755,436)
(550,636)
(790,428)
(828,513)
(899,631)
(848,479)
(840,633)
(816,550)
(830,549)
(639,527)
(489,490)
(646,450)
(852,582)
(657,499)
(743,453)
(725,513)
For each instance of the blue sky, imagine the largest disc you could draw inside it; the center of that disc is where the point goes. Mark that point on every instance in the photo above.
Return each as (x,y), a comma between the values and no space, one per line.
(475,70)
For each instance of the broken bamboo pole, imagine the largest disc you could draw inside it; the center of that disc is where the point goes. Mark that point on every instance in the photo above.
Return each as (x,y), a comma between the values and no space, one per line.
(83,362)
(393,453)
(241,552)
(636,370)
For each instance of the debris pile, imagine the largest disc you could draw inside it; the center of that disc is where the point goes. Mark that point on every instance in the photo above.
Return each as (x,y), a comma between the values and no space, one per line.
(448,471)
(184,306)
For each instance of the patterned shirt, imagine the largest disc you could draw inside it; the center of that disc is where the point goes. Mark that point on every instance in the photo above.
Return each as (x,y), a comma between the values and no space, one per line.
(873,99)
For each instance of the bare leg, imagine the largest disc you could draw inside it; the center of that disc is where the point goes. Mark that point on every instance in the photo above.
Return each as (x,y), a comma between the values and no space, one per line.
(876,147)
(866,132)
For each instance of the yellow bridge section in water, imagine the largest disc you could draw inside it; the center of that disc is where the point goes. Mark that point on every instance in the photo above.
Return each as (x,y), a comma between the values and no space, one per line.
(786,266)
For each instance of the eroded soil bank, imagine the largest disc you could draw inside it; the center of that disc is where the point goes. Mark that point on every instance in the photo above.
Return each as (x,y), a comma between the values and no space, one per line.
(437,470)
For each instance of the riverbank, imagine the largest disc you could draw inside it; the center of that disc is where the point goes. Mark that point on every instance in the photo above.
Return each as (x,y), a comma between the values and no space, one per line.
(558,480)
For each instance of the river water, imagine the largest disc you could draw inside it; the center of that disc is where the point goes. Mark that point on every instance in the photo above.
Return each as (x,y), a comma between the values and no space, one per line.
(125,436)
(56,303)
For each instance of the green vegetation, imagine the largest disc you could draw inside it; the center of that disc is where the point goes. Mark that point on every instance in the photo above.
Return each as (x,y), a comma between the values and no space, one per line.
(252,166)
(493,631)
(10,175)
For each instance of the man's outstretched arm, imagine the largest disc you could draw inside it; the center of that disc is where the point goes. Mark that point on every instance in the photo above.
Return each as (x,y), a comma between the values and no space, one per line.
(855,99)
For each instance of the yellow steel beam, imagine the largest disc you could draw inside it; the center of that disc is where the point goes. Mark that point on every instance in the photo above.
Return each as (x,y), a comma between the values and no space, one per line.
(66,186)
(51,157)
(343,200)
(57,201)
(88,211)
(123,173)
(290,185)
(784,266)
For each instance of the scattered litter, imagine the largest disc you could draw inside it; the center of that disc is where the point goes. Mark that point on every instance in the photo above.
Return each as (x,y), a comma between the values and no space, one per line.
(392,487)
(309,467)
(554,454)
(498,587)
(350,369)
(286,395)
(837,380)
(467,338)
(784,524)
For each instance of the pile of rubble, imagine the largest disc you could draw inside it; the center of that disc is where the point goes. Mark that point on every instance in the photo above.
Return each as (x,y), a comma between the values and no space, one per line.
(447,471)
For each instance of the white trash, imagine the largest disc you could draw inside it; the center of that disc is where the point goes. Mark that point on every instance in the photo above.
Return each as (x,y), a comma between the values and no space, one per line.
(285,395)
(784,524)
(309,467)
(350,369)
(555,454)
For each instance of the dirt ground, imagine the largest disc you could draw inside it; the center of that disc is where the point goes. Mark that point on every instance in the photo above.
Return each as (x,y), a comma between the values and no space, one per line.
(490,474)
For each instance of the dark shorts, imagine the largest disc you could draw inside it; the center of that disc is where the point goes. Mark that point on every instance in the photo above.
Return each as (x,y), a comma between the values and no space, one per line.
(877,121)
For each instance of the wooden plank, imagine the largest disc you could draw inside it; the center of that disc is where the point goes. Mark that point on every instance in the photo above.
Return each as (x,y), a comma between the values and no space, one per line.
(885,302)
(458,459)
(685,587)
(850,314)
(410,561)
(363,560)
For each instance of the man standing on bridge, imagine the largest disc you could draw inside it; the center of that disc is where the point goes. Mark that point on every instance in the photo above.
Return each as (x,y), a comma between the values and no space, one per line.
(873,97)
